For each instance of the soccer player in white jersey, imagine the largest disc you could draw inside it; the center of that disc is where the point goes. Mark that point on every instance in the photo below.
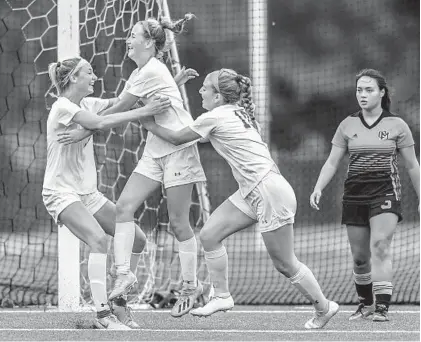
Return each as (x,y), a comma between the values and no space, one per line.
(264,195)
(70,190)
(176,167)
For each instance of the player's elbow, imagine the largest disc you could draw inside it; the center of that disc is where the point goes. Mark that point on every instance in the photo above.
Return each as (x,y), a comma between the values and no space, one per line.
(176,141)
(331,166)
(100,125)
(411,164)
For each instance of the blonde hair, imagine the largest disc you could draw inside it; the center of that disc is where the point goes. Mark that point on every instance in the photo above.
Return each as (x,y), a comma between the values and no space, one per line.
(235,88)
(157,31)
(61,71)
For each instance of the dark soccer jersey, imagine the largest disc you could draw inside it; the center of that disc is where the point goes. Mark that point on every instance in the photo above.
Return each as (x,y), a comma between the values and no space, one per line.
(373,166)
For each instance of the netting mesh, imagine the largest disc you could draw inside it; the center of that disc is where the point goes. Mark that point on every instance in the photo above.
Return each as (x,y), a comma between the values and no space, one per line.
(310,74)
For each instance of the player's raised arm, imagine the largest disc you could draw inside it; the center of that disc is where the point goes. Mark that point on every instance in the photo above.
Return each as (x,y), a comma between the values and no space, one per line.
(185,75)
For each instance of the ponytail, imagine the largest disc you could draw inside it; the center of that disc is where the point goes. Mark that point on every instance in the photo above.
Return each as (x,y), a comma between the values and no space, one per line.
(61,71)
(158,32)
(246,100)
(52,73)
(175,26)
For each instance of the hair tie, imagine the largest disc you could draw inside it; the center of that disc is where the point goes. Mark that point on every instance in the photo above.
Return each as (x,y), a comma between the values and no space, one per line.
(58,64)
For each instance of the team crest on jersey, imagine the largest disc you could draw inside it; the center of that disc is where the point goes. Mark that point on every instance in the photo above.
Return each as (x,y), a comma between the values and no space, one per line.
(383,135)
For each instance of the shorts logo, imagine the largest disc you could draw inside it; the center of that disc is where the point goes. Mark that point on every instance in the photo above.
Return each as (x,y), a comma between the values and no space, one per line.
(383,135)
(387,205)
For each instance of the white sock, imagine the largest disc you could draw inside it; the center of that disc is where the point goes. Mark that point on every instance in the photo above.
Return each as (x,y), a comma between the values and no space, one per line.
(97,264)
(307,284)
(134,260)
(123,244)
(217,262)
(187,251)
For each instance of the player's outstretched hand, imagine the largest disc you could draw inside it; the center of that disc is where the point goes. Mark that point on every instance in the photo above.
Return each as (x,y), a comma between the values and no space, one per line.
(157,105)
(315,198)
(185,75)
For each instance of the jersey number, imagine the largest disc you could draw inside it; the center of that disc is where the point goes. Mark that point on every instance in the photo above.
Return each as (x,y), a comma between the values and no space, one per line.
(242,115)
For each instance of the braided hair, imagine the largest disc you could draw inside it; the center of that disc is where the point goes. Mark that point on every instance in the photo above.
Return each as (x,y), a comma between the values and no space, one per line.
(236,88)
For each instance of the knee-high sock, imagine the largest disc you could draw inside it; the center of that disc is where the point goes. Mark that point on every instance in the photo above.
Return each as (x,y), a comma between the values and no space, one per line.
(134,260)
(97,264)
(383,292)
(187,251)
(364,287)
(217,262)
(307,284)
(123,244)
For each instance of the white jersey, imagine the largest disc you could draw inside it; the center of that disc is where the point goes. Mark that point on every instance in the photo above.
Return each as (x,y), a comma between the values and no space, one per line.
(70,167)
(232,134)
(154,78)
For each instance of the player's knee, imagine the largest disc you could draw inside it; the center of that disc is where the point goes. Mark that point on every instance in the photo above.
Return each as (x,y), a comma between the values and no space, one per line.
(361,262)
(288,267)
(139,240)
(361,257)
(208,239)
(124,210)
(180,226)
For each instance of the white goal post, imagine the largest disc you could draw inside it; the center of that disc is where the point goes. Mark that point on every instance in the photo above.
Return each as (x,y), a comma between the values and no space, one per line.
(68,244)
(258,53)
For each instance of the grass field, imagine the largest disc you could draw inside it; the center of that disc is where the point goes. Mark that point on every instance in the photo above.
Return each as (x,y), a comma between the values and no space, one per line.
(244,323)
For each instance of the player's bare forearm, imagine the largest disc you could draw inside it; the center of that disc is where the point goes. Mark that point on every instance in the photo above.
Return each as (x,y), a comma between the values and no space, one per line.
(85,133)
(414,174)
(117,107)
(174,137)
(326,174)
(330,167)
(125,103)
(164,133)
(74,135)
(412,166)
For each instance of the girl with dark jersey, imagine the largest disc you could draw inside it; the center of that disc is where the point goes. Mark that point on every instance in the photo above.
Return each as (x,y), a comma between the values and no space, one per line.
(373,137)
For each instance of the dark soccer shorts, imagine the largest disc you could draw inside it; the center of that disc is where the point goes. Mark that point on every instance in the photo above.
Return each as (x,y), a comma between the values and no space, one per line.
(357,214)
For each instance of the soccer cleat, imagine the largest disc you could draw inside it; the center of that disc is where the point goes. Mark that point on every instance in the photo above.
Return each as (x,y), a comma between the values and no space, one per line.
(381,313)
(215,304)
(321,319)
(123,284)
(110,322)
(362,311)
(124,313)
(188,296)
